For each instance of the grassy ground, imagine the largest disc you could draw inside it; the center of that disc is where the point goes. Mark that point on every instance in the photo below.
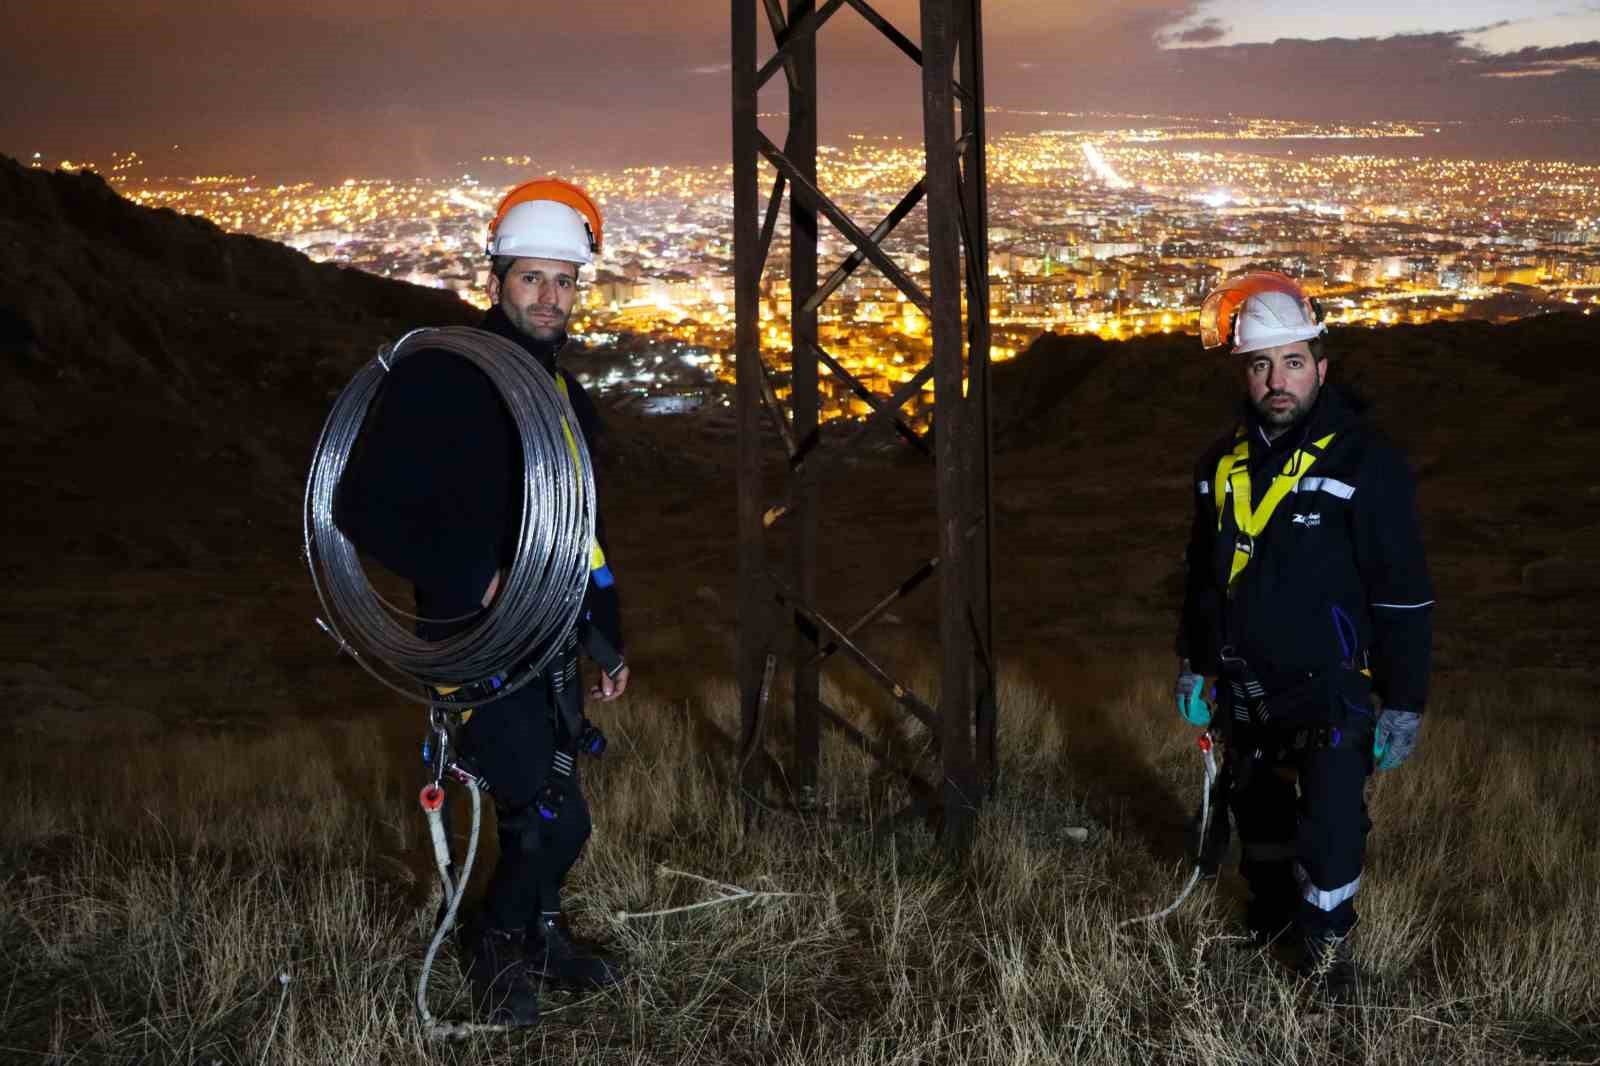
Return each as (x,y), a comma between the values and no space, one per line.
(217,900)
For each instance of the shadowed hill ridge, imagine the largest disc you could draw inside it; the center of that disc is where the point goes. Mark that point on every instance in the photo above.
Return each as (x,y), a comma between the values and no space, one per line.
(162,384)
(1416,378)
(147,353)
(1496,420)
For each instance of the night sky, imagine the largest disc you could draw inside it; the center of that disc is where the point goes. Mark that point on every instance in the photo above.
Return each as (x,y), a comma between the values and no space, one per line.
(406,87)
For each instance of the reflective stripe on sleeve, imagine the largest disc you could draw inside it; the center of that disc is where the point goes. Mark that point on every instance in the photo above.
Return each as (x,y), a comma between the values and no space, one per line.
(1405,606)
(1205,488)
(1332,486)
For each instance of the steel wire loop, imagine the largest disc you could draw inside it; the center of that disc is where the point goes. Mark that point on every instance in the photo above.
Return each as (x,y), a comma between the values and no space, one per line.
(541,591)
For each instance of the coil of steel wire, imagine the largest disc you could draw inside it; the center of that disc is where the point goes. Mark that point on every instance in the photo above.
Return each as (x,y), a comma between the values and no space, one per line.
(540,593)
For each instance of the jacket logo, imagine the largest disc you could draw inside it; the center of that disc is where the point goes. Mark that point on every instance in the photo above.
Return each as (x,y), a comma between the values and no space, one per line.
(1310,521)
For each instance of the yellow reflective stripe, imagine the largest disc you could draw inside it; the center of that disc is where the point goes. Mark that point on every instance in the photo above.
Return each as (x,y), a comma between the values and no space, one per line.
(572,445)
(1240,456)
(597,556)
(1234,471)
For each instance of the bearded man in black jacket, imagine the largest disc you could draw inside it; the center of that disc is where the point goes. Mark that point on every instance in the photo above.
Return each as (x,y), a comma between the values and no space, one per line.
(435,495)
(1308,598)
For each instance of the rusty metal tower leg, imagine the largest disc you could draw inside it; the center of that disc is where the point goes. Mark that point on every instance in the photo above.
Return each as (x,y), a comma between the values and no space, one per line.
(754,603)
(802,151)
(979,425)
(952,456)
(955,188)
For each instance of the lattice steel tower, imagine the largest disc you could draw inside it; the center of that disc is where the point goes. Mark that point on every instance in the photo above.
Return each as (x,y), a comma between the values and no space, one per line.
(780,612)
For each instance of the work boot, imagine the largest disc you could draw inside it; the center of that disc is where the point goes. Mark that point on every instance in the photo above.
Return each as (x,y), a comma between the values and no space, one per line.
(1330,962)
(1267,922)
(502,991)
(552,956)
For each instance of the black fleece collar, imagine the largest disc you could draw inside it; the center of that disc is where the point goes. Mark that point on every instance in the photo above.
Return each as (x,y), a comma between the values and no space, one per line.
(496,322)
(1332,411)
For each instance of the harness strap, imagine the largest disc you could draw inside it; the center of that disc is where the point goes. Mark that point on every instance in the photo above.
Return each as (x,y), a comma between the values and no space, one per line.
(597,556)
(1233,476)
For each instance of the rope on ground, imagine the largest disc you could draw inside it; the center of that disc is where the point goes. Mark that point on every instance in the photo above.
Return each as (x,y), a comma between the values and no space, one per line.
(728,894)
(1205,824)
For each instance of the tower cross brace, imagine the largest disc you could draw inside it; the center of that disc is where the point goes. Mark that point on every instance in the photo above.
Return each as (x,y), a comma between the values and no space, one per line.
(780,615)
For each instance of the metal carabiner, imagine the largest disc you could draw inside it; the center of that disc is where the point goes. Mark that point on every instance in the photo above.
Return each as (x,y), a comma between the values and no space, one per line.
(436,744)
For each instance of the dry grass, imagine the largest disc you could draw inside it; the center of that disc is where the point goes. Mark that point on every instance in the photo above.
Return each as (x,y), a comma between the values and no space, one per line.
(267,901)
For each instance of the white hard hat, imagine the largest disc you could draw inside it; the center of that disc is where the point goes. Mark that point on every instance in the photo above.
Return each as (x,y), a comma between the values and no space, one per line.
(546,219)
(1259,310)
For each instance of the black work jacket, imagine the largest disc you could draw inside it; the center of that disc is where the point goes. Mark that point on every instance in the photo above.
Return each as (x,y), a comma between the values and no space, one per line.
(434,490)
(1337,579)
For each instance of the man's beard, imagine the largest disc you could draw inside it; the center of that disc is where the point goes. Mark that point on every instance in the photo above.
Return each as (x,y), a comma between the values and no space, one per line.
(1283,418)
(545,332)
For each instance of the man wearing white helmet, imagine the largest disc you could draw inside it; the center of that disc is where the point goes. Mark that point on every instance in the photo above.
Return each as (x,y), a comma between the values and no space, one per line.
(1308,601)
(434,494)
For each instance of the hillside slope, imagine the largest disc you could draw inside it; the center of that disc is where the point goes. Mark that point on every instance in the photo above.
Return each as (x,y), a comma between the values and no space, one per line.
(161,387)
(1496,420)
(150,355)
(162,384)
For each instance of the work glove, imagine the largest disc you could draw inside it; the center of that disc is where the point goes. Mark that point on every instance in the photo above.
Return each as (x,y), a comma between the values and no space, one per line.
(1395,737)
(1189,692)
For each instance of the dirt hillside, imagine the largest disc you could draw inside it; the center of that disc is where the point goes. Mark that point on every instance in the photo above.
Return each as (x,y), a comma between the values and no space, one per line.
(162,383)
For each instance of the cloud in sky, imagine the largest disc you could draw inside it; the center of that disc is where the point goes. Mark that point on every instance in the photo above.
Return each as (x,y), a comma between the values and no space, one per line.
(1580,59)
(1205,31)
(1490,25)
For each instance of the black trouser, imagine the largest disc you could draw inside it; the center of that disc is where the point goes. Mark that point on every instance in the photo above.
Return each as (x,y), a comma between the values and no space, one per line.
(512,743)
(1303,824)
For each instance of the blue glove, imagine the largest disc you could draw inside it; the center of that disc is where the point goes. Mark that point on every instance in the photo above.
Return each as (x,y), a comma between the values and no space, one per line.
(1189,692)
(1395,737)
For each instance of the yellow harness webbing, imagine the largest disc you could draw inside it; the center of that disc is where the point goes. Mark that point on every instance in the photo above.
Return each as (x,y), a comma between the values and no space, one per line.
(597,557)
(1233,476)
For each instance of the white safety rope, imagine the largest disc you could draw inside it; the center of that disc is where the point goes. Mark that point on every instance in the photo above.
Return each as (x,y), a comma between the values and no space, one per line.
(432,800)
(726,894)
(1205,824)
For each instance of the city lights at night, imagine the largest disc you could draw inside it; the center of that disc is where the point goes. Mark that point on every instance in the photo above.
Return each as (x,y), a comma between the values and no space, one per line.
(811,532)
(1115,231)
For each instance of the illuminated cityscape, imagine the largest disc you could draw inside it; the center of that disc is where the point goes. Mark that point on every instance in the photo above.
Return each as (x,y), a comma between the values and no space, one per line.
(1115,226)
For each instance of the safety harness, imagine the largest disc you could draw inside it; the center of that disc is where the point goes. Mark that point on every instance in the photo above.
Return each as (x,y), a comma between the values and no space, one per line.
(1233,477)
(598,569)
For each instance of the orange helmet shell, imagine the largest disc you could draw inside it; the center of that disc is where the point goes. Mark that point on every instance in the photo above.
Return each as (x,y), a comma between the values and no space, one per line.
(1296,317)
(562,192)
